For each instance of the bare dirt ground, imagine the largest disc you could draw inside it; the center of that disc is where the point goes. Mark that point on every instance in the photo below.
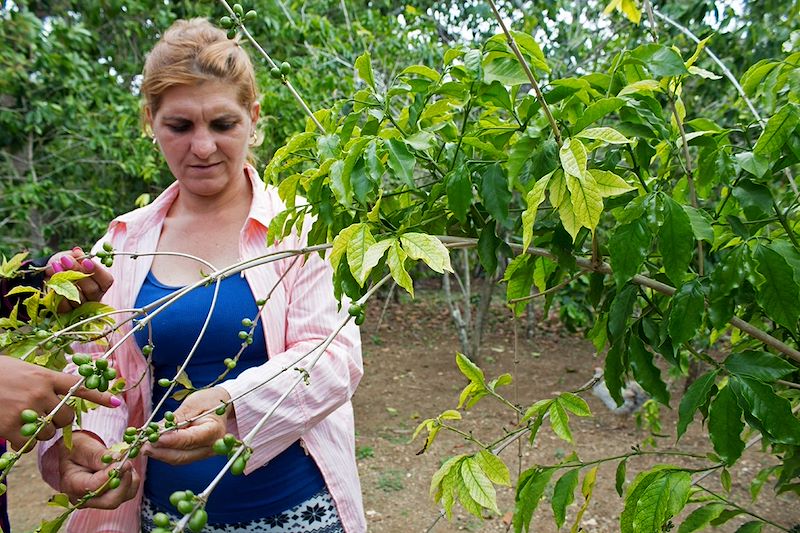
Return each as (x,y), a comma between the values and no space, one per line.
(410,375)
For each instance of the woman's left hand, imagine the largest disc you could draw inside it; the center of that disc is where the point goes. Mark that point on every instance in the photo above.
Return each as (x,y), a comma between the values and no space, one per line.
(192,443)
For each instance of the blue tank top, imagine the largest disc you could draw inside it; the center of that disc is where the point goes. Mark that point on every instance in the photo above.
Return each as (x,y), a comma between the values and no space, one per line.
(287,480)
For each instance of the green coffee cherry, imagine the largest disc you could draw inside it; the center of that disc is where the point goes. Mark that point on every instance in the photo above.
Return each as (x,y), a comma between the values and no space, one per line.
(355,309)
(153,437)
(286,68)
(230,363)
(92,382)
(107,459)
(114,483)
(232,33)
(107,247)
(185,506)
(81,359)
(176,497)
(238,466)
(109,374)
(86,370)
(169,416)
(238,9)
(229,440)
(101,364)
(161,520)
(246,322)
(133,452)
(102,383)
(220,448)
(130,431)
(275,72)
(226,22)
(147,350)
(261,302)
(28,416)
(198,520)
(29,429)
(243,335)
(360,319)
(164,382)
(250,15)
(3,464)
(162,530)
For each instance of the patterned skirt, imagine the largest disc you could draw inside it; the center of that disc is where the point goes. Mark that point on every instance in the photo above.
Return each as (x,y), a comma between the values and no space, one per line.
(315,515)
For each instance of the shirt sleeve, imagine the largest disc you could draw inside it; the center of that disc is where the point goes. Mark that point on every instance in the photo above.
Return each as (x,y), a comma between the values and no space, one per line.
(311,315)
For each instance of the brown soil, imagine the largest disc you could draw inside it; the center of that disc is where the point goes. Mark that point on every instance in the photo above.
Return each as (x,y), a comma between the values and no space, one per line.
(410,375)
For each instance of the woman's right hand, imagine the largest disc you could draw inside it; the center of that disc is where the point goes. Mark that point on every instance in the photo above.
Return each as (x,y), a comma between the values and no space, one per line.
(82,470)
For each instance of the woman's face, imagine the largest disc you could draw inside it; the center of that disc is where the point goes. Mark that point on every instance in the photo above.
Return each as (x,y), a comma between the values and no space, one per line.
(204,133)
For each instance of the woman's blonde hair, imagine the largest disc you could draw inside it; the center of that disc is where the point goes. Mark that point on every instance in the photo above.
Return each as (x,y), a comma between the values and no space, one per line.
(191,52)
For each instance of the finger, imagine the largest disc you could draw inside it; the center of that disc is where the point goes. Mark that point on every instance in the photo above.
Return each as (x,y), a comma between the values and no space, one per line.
(100,274)
(47,432)
(64,382)
(63,417)
(178,456)
(90,289)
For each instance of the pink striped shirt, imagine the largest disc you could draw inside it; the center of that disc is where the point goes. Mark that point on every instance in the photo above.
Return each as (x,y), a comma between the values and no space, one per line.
(299,314)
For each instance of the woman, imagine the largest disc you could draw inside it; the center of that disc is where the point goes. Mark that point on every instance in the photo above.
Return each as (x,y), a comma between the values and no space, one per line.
(200,101)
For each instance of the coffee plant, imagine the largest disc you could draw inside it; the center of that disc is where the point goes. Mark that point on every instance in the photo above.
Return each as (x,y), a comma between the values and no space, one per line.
(677,225)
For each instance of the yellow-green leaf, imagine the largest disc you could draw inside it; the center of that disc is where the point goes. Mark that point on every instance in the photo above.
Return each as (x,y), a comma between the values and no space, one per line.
(609,184)
(357,248)
(533,199)
(586,200)
(573,157)
(396,260)
(340,244)
(609,135)
(640,86)
(427,248)
(364,69)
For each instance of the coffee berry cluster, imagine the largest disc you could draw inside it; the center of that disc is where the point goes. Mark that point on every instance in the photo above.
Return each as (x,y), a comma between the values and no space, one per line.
(231,23)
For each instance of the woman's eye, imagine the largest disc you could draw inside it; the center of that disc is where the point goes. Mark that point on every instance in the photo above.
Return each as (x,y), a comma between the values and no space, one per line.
(223,126)
(178,128)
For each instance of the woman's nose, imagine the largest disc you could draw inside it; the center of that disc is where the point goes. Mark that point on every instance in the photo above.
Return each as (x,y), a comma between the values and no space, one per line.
(203,144)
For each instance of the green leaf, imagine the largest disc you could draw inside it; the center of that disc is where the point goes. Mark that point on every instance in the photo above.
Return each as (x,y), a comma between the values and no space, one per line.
(470,369)
(519,278)
(495,193)
(480,488)
(574,404)
(675,240)
(364,69)
(609,184)
(628,247)
(504,69)
(777,131)
(421,140)
(448,465)
(661,500)
(401,161)
(494,468)
(640,87)
(696,396)
(427,248)
(533,200)
(778,292)
(357,247)
(620,311)
(422,70)
(573,157)
(529,48)
(686,312)
(536,409)
(701,224)
(725,426)
(586,200)
(701,517)
(530,490)
(458,187)
(762,366)
(598,110)
(339,245)
(396,261)
(609,135)
(635,490)
(766,411)
(372,257)
(559,421)
(587,488)
(647,374)
(564,495)
(619,475)
(751,527)
(660,60)
(62,284)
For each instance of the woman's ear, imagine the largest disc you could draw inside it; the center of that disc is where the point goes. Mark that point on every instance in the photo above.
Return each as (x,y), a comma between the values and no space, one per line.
(255,111)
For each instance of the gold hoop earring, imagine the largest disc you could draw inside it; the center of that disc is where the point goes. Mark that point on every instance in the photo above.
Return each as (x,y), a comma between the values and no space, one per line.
(155,141)
(253,138)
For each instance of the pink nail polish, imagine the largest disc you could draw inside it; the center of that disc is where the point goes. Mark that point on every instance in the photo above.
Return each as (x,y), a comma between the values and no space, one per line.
(67,262)
(77,250)
(115,402)
(56,268)
(88,265)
